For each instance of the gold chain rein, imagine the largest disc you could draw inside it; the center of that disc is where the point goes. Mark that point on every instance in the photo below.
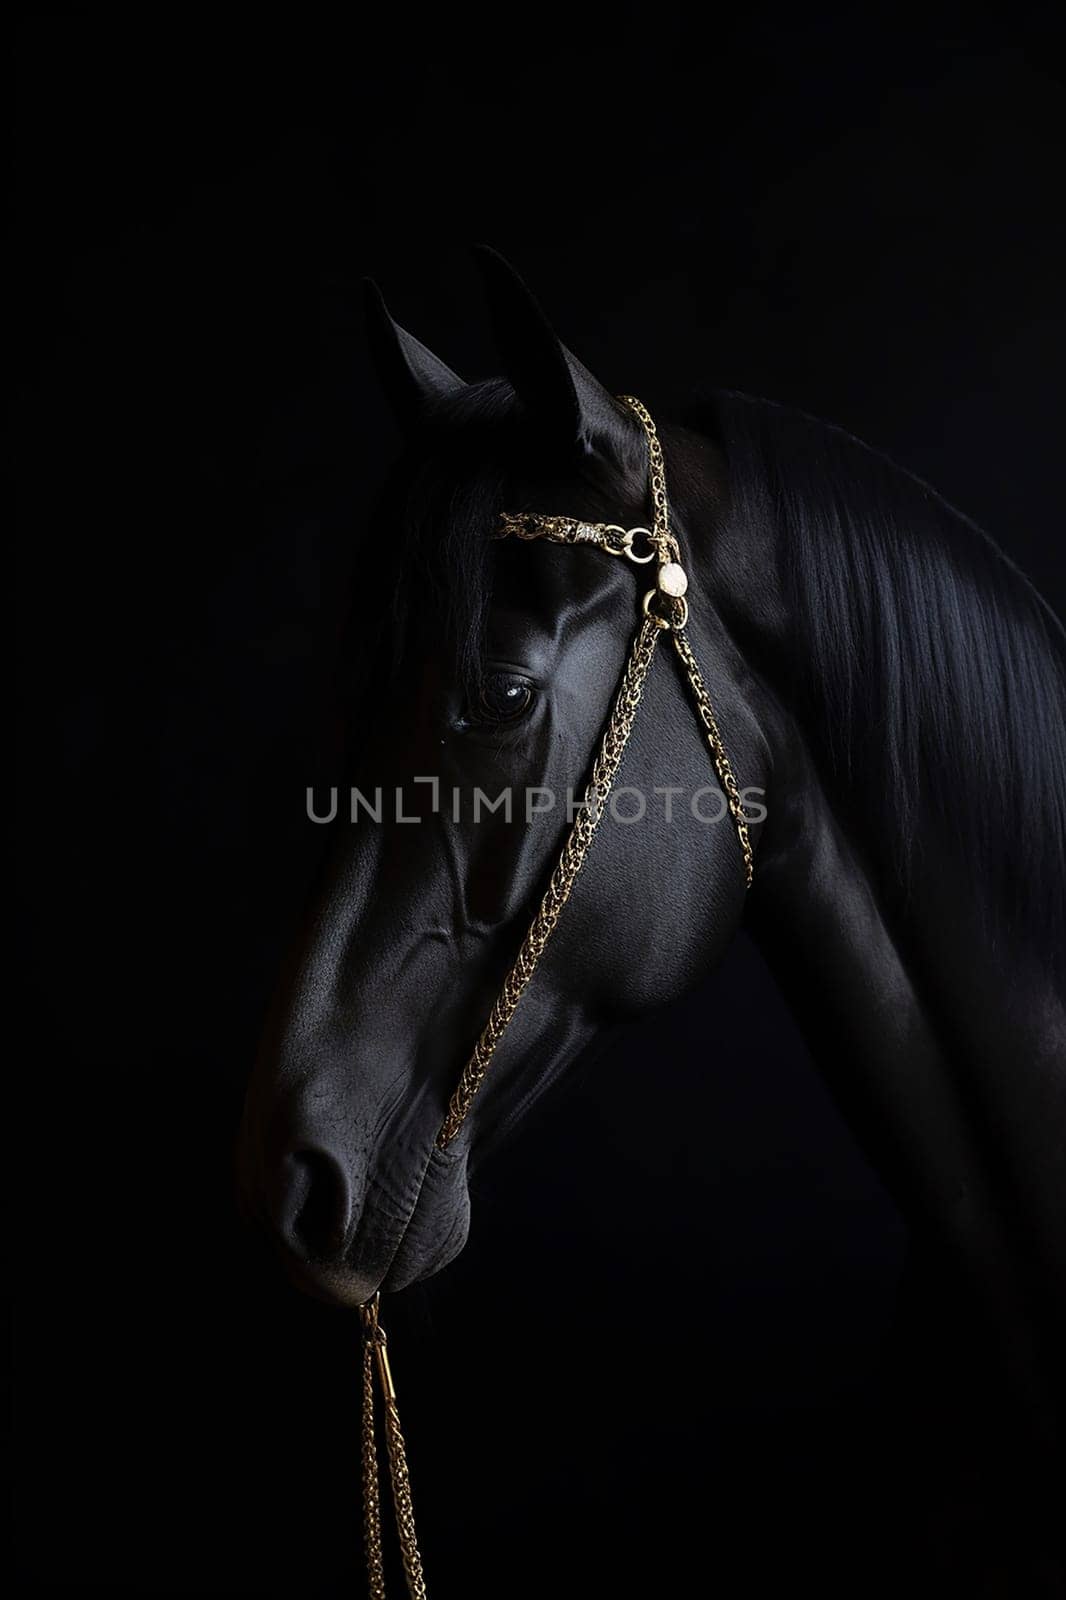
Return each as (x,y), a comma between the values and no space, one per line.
(665,610)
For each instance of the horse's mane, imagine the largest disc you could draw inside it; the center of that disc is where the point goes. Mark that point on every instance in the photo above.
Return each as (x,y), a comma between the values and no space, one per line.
(934,674)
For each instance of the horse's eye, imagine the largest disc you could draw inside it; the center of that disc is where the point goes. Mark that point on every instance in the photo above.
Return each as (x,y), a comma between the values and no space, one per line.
(503,698)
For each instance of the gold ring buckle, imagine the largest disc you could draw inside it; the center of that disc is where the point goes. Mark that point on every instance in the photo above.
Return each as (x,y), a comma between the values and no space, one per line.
(624,543)
(680,609)
(641,561)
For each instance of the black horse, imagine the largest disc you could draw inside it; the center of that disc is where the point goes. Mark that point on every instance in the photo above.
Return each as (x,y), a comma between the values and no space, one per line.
(881,672)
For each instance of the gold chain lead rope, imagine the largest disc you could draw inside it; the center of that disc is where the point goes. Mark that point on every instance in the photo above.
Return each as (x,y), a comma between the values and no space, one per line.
(669,595)
(376,1357)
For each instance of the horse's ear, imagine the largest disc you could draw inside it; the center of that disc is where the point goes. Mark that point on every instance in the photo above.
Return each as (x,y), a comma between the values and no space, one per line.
(562,395)
(414,379)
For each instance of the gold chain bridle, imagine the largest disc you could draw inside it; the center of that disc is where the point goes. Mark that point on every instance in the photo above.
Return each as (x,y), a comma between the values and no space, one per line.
(664,610)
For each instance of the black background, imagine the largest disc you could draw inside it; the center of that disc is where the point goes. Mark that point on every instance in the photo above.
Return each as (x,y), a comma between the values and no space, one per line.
(663,1366)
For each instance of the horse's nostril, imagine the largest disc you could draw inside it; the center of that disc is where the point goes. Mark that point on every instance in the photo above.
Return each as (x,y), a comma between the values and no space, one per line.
(317,1206)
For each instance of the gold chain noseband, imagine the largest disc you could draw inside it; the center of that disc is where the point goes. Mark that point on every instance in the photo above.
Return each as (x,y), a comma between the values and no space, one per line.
(664,610)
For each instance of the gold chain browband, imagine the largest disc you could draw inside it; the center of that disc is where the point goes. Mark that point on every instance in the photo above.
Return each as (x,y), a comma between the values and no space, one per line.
(664,610)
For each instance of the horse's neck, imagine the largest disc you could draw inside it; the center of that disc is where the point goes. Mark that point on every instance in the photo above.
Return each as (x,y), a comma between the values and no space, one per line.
(946,1047)
(951,1076)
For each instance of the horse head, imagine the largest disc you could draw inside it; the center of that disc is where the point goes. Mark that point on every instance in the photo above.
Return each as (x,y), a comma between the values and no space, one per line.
(489,668)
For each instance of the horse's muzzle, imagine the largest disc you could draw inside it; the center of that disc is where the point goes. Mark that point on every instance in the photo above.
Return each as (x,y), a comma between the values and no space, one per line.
(343,1237)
